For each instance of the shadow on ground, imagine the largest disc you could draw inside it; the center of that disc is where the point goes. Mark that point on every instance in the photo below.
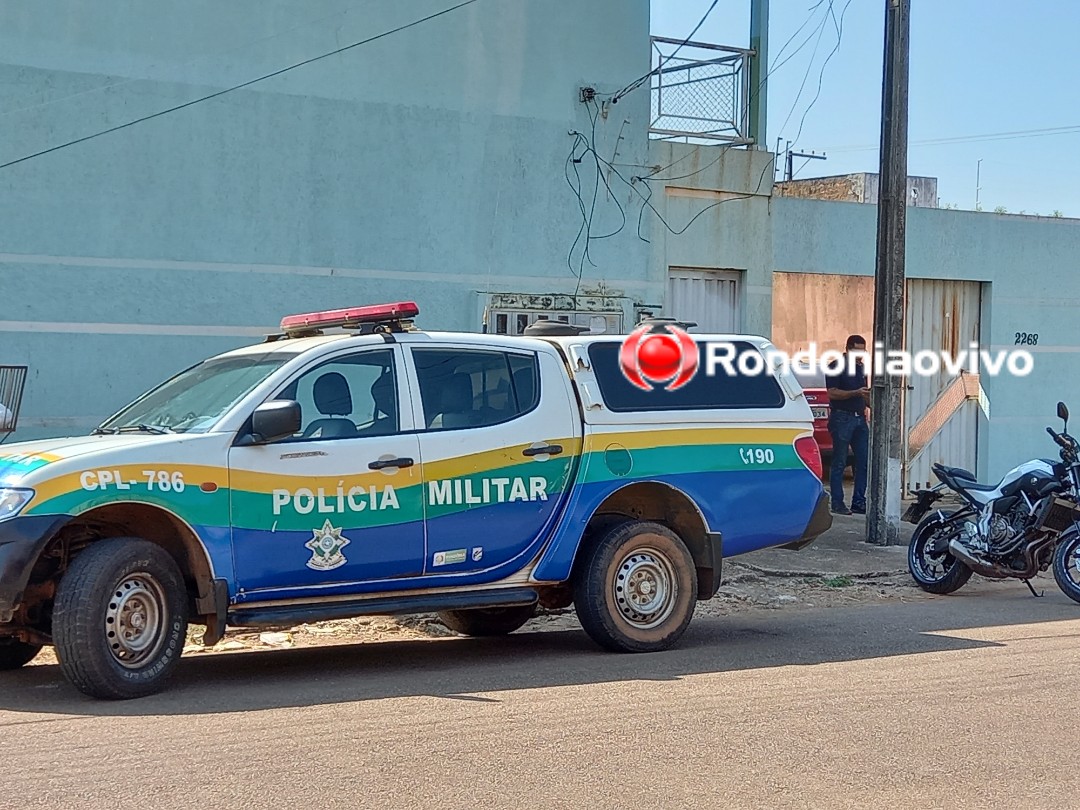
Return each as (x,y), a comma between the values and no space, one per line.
(460,668)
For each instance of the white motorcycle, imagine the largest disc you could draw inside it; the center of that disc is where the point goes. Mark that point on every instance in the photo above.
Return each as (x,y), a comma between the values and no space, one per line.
(1008,530)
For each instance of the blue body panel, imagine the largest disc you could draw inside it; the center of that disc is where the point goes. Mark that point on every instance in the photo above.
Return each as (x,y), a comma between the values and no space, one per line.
(753,510)
(757,510)
(277,560)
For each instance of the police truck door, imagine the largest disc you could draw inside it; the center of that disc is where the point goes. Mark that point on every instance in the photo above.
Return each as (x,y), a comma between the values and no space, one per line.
(339,503)
(500,437)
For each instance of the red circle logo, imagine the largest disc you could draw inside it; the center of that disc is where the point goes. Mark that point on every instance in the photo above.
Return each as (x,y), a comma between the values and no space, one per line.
(649,358)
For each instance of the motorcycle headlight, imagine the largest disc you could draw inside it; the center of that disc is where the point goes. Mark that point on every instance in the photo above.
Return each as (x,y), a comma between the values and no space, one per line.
(13,501)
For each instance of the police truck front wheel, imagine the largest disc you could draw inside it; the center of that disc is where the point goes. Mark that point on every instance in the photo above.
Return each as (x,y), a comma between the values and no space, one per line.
(636,588)
(120,619)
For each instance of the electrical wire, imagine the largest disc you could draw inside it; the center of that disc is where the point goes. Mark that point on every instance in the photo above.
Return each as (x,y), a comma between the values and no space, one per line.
(677,232)
(821,74)
(592,208)
(646,196)
(781,62)
(588,215)
(990,136)
(809,67)
(248,83)
(753,94)
(634,85)
(607,185)
(589,144)
(190,62)
(646,200)
(571,160)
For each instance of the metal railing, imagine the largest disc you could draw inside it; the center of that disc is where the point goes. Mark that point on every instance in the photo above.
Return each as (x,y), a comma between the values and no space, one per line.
(12,382)
(700,92)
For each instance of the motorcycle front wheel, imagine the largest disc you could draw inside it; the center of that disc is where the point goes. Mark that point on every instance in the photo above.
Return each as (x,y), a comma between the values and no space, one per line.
(939,573)
(1067,567)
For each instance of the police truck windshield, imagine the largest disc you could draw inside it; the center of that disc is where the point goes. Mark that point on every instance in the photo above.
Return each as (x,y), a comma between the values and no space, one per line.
(194,400)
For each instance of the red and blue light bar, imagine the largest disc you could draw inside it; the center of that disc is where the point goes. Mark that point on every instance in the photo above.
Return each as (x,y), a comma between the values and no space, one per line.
(353,316)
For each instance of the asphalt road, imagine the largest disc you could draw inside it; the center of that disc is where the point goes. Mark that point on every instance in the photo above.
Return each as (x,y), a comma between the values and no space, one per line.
(964,701)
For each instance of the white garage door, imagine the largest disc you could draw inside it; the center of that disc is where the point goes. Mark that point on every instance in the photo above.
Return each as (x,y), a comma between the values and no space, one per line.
(942,413)
(709,298)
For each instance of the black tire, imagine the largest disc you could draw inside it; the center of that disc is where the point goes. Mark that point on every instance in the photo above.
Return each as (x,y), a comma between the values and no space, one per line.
(1067,552)
(653,612)
(15,653)
(121,584)
(954,574)
(488,621)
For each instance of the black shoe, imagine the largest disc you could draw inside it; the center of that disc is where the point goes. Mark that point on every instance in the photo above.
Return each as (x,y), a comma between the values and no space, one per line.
(859,510)
(841,510)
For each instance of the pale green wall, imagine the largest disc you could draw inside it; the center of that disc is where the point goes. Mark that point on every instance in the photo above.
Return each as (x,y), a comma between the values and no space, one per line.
(427,165)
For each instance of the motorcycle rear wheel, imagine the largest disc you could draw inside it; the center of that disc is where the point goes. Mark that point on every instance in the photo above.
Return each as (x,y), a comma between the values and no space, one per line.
(1067,567)
(940,574)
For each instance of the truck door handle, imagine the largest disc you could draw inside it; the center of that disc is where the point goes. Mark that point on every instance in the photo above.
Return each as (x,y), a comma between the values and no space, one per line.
(382,464)
(545,450)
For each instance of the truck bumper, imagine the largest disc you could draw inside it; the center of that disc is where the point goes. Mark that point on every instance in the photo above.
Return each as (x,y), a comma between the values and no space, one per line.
(820,522)
(22,540)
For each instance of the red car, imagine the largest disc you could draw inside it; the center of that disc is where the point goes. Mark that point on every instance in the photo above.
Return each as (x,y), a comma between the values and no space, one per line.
(813,384)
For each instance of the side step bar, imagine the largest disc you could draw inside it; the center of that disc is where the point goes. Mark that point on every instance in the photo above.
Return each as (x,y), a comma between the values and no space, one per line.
(275,616)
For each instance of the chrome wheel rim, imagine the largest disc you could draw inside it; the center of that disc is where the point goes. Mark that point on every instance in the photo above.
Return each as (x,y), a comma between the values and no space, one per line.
(1072,566)
(645,588)
(933,567)
(135,620)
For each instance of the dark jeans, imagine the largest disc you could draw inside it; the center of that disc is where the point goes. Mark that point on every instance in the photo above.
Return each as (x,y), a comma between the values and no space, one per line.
(848,430)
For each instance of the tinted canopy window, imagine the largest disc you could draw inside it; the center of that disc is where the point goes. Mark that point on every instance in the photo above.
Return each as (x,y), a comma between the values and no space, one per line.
(721,390)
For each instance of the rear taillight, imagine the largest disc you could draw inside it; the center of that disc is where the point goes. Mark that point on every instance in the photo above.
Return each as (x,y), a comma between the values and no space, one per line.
(809,453)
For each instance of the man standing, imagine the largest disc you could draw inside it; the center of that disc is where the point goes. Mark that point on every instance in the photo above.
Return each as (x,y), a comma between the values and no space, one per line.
(847,425)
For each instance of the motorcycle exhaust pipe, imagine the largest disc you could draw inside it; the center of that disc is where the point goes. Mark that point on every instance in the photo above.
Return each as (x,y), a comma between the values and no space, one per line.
(961,552)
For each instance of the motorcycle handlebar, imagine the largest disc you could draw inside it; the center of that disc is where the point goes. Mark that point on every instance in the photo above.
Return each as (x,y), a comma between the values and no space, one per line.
(1068,445)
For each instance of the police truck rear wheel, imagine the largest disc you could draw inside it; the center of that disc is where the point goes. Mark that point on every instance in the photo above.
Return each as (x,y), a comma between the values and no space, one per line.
(15,653)
(487,621)
(637,588)
(120,619)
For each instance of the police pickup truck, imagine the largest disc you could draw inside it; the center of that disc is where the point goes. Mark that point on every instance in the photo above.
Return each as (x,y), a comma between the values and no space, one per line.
(353,464)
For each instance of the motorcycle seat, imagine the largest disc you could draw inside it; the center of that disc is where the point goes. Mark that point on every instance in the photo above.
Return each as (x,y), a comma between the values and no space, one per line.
(963,479)
(956,472)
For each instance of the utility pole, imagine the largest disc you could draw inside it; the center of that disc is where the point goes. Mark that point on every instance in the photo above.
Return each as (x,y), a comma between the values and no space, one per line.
(759,44)
(883,503)
(978,182)
(789,174)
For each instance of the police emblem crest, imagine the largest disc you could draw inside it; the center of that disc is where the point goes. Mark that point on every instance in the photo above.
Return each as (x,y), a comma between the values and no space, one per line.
(326,546)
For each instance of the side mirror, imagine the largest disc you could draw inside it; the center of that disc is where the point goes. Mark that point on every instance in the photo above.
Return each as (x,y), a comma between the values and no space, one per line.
(275,420)
(1063,412)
